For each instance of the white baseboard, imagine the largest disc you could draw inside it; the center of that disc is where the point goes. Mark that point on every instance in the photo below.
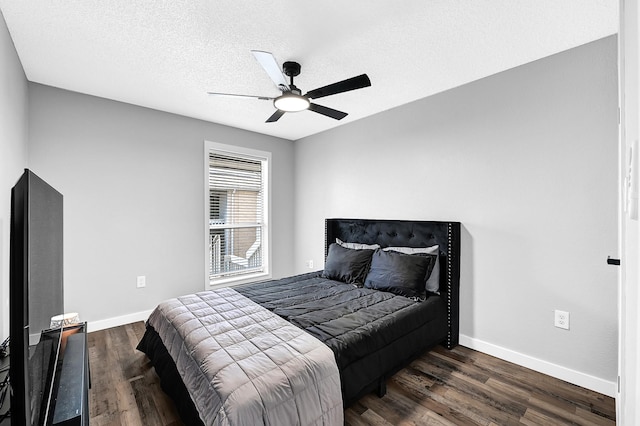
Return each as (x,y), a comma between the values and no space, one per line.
(117,321)
(587,381)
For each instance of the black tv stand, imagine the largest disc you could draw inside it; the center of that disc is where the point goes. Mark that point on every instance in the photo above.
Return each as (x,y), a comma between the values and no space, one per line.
(5,406)
(71,399)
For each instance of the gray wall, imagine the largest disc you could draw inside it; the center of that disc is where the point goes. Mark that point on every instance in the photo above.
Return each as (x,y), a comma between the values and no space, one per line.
(527,161)
(133,186)
(13,152)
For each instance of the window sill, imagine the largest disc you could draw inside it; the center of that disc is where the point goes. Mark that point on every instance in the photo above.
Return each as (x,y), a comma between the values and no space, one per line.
(244,279)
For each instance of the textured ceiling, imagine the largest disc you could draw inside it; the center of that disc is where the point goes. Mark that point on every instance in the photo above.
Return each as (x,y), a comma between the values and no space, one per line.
(167,54)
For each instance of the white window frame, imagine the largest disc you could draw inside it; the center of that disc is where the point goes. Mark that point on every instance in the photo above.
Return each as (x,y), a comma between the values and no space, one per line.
(265,157)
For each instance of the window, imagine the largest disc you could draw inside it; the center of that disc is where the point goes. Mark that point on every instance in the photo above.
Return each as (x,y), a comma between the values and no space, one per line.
(236,200)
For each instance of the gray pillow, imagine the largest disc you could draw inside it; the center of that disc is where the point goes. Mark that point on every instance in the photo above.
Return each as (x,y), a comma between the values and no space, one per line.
(357,246)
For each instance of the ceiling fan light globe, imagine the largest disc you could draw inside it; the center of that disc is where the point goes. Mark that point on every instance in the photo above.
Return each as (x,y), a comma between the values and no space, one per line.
(291,102)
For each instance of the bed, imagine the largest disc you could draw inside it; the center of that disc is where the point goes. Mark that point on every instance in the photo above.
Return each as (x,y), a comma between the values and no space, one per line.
(371,333)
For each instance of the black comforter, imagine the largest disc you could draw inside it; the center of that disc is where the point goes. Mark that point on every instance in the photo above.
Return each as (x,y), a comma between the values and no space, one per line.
(369,331)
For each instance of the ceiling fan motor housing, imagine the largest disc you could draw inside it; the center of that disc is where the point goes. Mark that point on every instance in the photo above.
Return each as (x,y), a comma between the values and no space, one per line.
(294,89)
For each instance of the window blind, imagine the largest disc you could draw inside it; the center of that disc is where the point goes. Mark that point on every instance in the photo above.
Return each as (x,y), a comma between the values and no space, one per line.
(236,215)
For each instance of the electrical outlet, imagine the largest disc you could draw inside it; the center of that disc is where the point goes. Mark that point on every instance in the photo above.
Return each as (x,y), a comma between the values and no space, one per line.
(141,281)
(562,319)
(310,264)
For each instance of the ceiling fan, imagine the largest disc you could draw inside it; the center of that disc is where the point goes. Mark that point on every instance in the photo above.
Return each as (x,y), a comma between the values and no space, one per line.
(292,99)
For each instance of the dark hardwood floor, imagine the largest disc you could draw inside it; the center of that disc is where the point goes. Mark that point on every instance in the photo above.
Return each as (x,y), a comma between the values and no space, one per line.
(458,387)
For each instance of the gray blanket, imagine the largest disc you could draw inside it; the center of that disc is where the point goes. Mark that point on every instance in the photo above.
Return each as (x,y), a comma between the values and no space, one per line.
(244,365)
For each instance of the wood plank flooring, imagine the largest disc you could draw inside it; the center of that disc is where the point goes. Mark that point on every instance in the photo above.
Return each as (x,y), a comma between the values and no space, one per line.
(458,387)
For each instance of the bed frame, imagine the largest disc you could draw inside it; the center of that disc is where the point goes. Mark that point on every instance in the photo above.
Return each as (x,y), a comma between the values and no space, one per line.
(386,233)
(406,233)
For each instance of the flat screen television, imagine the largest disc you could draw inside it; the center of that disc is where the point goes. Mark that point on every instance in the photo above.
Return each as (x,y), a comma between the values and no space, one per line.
(36,286)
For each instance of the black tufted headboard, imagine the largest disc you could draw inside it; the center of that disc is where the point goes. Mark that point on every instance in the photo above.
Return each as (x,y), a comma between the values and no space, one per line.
(407,233)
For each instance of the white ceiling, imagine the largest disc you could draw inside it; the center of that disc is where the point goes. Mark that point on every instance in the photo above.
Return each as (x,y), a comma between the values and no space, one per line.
(166,54)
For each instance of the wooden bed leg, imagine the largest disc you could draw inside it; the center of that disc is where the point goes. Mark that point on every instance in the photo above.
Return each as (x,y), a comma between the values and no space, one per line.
(382,388)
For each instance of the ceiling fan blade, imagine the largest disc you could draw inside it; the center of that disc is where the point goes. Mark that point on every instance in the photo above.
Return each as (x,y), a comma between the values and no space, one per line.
(271,66)
(329,112)
(275,117)
(233,95)
(340,87)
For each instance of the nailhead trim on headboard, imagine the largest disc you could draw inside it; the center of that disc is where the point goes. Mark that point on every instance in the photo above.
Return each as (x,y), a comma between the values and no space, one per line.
(449,290)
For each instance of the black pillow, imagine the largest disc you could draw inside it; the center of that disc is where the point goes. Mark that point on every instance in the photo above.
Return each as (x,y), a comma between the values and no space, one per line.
(347,265)
(399,273)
